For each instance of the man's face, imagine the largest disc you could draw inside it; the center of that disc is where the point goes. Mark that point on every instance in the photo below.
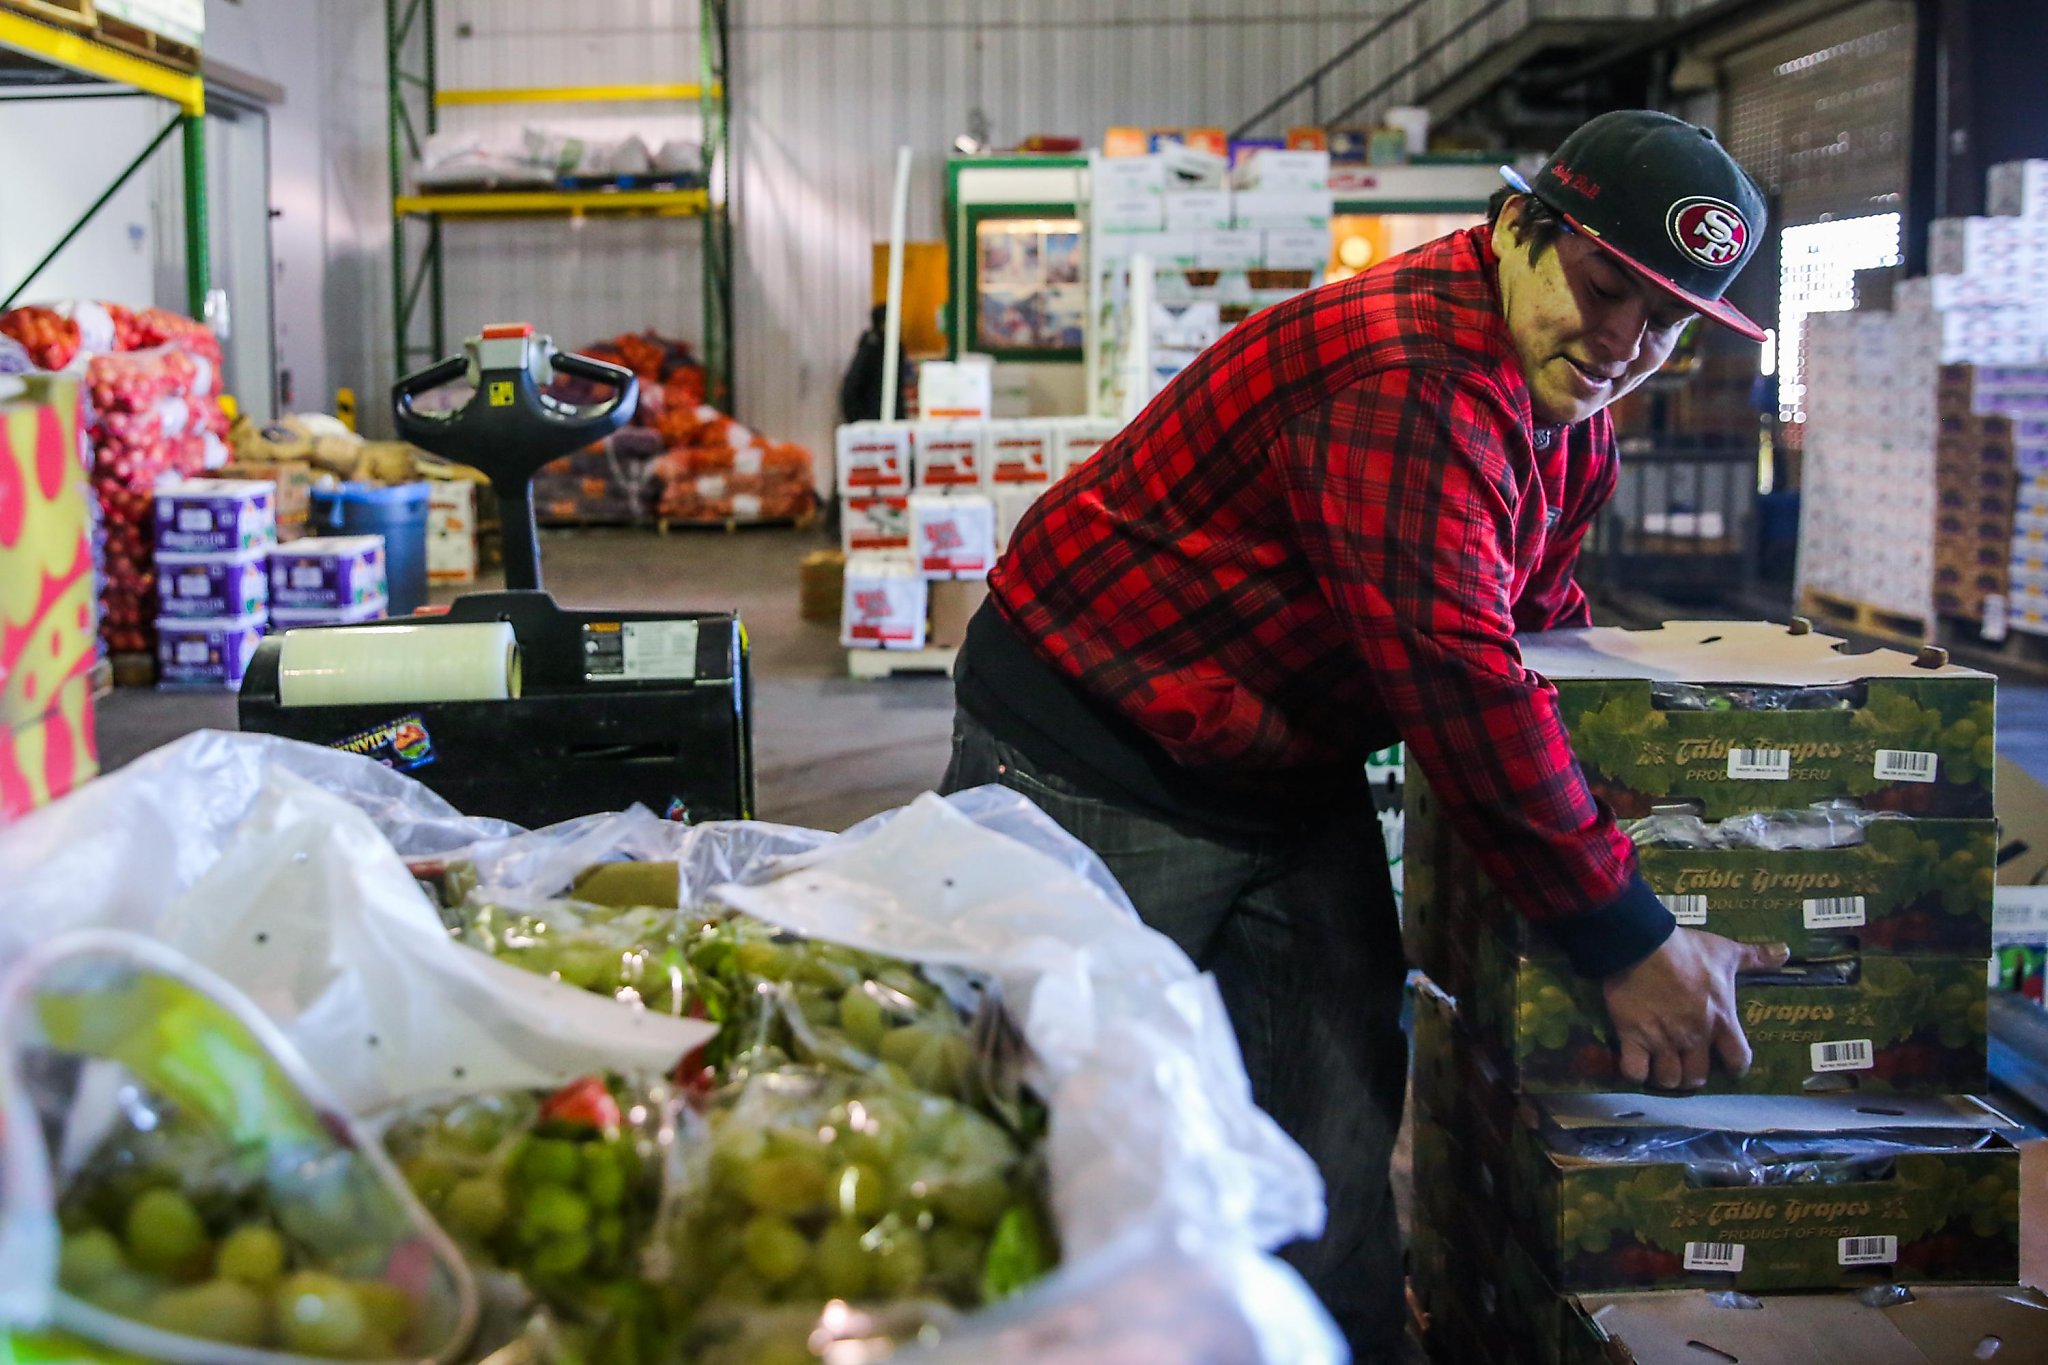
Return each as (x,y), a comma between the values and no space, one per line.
(1587,328)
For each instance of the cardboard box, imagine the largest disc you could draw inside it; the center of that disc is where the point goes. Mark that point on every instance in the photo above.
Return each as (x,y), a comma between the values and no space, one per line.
(953,536)
(294,480)
(875,457)
(216,516)
(1849,1215)
(1283,171)
(1075,442)
(953,391)
(1020,452)
(1910,888)
(212,585)
(1227,248)
(1838,724)
(451,531)
(1937,1325)
(1197,211)
(949,455)
(952,606)
(821,578)
(884,603)
(868,524)
(1011,503)
(1292,210)
(1901,1025)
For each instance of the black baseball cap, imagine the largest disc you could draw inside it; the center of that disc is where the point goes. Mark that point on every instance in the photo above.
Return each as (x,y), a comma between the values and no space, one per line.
(1665,199)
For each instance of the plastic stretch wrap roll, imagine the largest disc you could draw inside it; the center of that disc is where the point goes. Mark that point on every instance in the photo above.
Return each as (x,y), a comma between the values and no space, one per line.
(449,661)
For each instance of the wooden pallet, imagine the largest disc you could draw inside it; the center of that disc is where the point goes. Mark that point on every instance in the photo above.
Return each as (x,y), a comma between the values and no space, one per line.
(870,665)
(133,670)
(1826,610)
(152,47)
(73,14)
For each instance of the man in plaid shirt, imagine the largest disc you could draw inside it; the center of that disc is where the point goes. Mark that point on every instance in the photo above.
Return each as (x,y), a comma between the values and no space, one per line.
(1320,539)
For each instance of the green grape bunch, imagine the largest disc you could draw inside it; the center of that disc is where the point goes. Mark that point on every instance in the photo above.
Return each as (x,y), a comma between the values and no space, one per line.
(813,1186)
(181,1230)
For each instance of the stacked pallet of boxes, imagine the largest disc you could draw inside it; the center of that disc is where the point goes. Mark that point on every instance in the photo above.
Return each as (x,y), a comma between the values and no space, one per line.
(213,542)
(1224,240)
(925,508)
(1840,804)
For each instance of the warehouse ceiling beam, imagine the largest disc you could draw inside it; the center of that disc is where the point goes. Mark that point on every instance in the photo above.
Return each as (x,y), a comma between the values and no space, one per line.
(79,225)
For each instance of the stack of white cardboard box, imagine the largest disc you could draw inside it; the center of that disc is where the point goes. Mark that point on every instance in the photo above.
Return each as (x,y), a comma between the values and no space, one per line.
(1927,427)
(1240,228)
(928,505)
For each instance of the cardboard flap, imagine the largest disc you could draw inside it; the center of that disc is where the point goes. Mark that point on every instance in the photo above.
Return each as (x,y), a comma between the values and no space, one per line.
(1709,652)
(1950,1326)
(1773,1113)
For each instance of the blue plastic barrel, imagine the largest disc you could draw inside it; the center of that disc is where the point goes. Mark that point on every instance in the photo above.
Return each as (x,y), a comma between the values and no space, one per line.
(397,512)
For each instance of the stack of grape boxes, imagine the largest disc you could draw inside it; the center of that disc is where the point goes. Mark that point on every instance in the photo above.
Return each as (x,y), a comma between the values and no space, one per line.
(1838,803)
(931,503)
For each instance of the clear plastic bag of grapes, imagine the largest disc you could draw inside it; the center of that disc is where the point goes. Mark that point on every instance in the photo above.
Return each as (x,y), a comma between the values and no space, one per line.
(182,1188)
(813,1188)
(553,1198)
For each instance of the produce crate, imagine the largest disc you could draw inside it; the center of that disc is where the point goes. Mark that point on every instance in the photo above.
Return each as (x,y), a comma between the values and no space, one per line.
(1911,1025)
(1734,717)
(1911,887)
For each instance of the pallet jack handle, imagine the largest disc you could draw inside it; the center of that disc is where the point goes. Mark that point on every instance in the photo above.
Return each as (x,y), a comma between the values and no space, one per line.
(511,426)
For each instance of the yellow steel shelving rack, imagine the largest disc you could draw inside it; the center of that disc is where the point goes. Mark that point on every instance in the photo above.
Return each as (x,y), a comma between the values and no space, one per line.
(66,62)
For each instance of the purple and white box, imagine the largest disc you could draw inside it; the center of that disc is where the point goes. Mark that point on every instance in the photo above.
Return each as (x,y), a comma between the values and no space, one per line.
(219,586)
(201,651)
(289,618)
(216,516)
(327,573)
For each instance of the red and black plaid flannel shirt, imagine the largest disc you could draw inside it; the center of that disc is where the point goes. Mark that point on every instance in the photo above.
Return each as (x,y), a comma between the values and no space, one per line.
(1330,527)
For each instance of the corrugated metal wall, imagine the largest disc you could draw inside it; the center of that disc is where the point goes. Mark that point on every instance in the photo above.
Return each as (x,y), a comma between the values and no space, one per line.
(824,91)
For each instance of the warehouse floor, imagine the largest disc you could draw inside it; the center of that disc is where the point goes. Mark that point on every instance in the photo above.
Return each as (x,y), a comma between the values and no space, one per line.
(832,751)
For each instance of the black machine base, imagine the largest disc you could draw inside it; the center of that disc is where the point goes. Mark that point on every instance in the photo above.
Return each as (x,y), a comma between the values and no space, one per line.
(595,729)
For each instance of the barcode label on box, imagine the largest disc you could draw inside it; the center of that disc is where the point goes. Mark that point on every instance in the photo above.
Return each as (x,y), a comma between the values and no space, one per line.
(306,576)
(1850,1055)
(1688,910)
(1905,765)
(1760,765)
(194,519)
(192,585)
(1835,912)
(1869,1250)
(192,651)
(1713,1256)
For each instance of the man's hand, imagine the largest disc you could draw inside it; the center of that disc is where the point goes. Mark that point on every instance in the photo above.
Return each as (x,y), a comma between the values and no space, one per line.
(1676,1006)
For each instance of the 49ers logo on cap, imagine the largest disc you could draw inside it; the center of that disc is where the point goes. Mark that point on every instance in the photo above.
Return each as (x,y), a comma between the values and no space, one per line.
(1710,231)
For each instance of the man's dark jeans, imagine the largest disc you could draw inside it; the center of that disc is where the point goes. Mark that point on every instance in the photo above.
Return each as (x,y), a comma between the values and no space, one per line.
(1300,932)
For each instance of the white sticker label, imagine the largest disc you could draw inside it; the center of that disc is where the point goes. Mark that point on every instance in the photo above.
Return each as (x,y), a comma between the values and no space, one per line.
(660,649)
(1851,1055)
(1688,910)
(306,576)
(1905,765)
(1834,912)
(1713,1256)
(1760,765)
(192,585)
(194,519)
(192,652)
(1869,1250)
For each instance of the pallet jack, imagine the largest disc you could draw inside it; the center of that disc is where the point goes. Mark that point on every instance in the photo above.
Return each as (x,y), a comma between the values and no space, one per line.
(607,708)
